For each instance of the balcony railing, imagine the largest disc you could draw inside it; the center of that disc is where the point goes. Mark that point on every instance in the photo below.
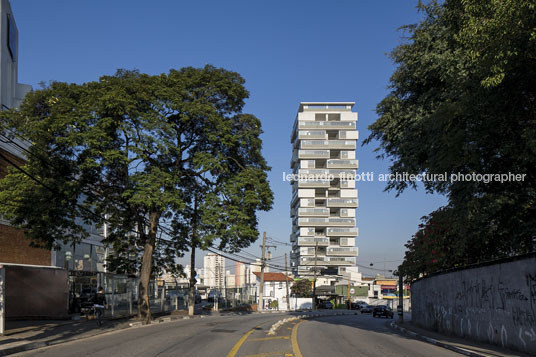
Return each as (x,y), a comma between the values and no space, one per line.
(303,124)
(311,241)
(307,202)
(331,221)
(313,154)
(327,144)
(313,183)
(342,164)
(318,134)
(340,232)
(327,261)
(307,251)
(349,251)
(342,202)
(320,212)
(350,174)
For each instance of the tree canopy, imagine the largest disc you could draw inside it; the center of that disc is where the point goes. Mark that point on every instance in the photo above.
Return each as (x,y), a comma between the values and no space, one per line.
(143,154)
(462,100)
(302,288)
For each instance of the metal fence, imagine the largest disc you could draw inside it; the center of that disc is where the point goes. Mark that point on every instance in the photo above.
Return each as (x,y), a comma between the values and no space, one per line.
(121,294)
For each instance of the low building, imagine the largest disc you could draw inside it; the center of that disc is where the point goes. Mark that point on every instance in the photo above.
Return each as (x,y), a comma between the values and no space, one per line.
(275,290)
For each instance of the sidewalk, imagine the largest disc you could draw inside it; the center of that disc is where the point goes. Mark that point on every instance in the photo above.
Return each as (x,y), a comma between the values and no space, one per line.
(453,343)
(31,334)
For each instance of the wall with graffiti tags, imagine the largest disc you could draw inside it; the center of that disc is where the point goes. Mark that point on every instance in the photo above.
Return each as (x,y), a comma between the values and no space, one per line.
(491,302)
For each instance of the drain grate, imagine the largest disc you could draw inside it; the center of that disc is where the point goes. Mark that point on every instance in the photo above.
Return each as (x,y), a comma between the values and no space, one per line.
(223,330)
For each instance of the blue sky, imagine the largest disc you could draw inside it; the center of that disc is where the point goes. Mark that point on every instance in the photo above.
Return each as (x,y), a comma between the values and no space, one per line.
(288,52)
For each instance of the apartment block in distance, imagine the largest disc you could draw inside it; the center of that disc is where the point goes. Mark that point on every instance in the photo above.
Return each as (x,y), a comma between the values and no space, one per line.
(324,196)
(214,269)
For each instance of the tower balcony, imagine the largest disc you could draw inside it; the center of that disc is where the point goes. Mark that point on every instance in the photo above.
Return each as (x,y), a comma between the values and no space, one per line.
(342,232)
(331,221)
(342,202)
(328,144)
(327,261)
(328,125)
(311,241)
(313,154)
(312,134)
(340,251)
(317,212)
(342,164)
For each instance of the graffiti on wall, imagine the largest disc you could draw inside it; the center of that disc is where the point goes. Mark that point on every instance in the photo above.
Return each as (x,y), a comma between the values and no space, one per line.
(493,303)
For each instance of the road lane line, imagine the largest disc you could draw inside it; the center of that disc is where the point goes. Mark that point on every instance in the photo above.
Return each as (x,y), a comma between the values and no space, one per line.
(294,340)
(236,347)
(270,338)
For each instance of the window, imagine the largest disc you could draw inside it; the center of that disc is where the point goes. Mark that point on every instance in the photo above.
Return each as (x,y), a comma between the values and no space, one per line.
(11,37)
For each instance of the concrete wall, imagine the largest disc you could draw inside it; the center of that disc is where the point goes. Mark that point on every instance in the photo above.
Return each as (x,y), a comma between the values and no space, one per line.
(36,292)
(494,303)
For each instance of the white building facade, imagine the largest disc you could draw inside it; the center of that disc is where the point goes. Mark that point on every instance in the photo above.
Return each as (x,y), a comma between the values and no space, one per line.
(324,195)
(274,289)
(214,271)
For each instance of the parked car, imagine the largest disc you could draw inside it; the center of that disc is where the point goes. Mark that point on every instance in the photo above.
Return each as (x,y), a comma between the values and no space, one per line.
(358,305)
(212,295)
(325,305)
(366,309)
(383,311)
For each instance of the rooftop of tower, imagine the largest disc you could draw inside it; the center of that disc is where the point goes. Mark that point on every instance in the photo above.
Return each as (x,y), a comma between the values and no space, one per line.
(339,106)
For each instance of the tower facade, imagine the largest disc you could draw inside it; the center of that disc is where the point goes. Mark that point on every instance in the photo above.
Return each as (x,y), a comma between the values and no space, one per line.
(324,196)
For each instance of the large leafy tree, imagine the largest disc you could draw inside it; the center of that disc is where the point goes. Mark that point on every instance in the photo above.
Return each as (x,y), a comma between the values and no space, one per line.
(302,288)
(462,100)
(154,157)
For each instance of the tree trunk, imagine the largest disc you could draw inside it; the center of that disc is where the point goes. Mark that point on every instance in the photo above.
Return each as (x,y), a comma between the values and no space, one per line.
(191,297)
(191,293)
(144,309)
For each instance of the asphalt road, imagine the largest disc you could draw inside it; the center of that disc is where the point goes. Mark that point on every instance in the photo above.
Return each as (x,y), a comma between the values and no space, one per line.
(246,335)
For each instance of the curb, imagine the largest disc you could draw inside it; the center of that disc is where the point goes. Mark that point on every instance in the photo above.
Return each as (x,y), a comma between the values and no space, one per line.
(436,342)
(276,325)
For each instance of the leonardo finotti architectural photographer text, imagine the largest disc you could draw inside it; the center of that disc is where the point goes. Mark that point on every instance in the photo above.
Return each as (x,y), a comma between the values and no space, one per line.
(370,176)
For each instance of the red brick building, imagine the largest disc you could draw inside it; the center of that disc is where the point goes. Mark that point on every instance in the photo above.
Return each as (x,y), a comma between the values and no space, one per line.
(14,247)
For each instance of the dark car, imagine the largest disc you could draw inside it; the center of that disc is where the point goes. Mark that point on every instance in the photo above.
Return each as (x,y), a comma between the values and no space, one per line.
(325,305)
(383,311)
(366,309)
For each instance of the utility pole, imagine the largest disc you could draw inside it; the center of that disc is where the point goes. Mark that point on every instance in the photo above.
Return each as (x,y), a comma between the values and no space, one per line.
(400,308)
(349,303)
(286,275)
(314,280)
(260,306)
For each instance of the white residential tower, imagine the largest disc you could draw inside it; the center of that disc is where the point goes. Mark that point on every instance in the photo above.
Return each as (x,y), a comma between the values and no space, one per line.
(324,196)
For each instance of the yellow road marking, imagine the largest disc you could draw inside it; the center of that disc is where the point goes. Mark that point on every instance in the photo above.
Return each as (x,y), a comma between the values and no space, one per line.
(270,338)
(289,328)
(236,347)
(294,340)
